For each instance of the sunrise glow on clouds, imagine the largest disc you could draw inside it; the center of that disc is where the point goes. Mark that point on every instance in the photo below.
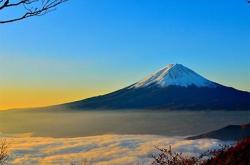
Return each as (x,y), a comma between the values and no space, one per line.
(101,150)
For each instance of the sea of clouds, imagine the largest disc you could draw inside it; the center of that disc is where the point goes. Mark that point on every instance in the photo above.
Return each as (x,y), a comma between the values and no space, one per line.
(101,150)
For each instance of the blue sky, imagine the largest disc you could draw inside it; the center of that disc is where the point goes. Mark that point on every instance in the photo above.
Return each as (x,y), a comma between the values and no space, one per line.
(102,45)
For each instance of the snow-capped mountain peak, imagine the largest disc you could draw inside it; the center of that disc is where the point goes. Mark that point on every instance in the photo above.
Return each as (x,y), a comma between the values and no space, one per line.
(177,75)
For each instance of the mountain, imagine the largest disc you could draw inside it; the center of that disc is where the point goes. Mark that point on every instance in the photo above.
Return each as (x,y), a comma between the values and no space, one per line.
(231,132)
(173,87)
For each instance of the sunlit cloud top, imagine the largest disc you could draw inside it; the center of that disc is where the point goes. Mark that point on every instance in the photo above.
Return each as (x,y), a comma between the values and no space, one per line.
(101,150)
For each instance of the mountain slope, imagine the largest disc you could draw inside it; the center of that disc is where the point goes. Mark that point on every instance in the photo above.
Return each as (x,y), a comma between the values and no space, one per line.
(173,87)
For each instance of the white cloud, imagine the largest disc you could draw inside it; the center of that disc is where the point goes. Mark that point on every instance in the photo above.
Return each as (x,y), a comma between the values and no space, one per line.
(102,150)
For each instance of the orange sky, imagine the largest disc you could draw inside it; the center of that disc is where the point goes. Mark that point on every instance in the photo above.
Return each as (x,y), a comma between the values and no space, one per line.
(25,97)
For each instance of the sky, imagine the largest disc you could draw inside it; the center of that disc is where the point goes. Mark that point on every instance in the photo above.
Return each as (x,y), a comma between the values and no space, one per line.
(91,47)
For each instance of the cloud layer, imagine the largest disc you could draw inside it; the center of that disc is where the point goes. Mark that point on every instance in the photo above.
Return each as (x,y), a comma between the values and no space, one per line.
(101,150)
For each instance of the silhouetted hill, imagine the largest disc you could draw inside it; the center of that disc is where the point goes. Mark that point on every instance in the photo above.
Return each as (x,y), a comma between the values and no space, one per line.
(231,132)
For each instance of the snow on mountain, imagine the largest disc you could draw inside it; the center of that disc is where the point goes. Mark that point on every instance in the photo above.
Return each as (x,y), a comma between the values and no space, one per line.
(175,74)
